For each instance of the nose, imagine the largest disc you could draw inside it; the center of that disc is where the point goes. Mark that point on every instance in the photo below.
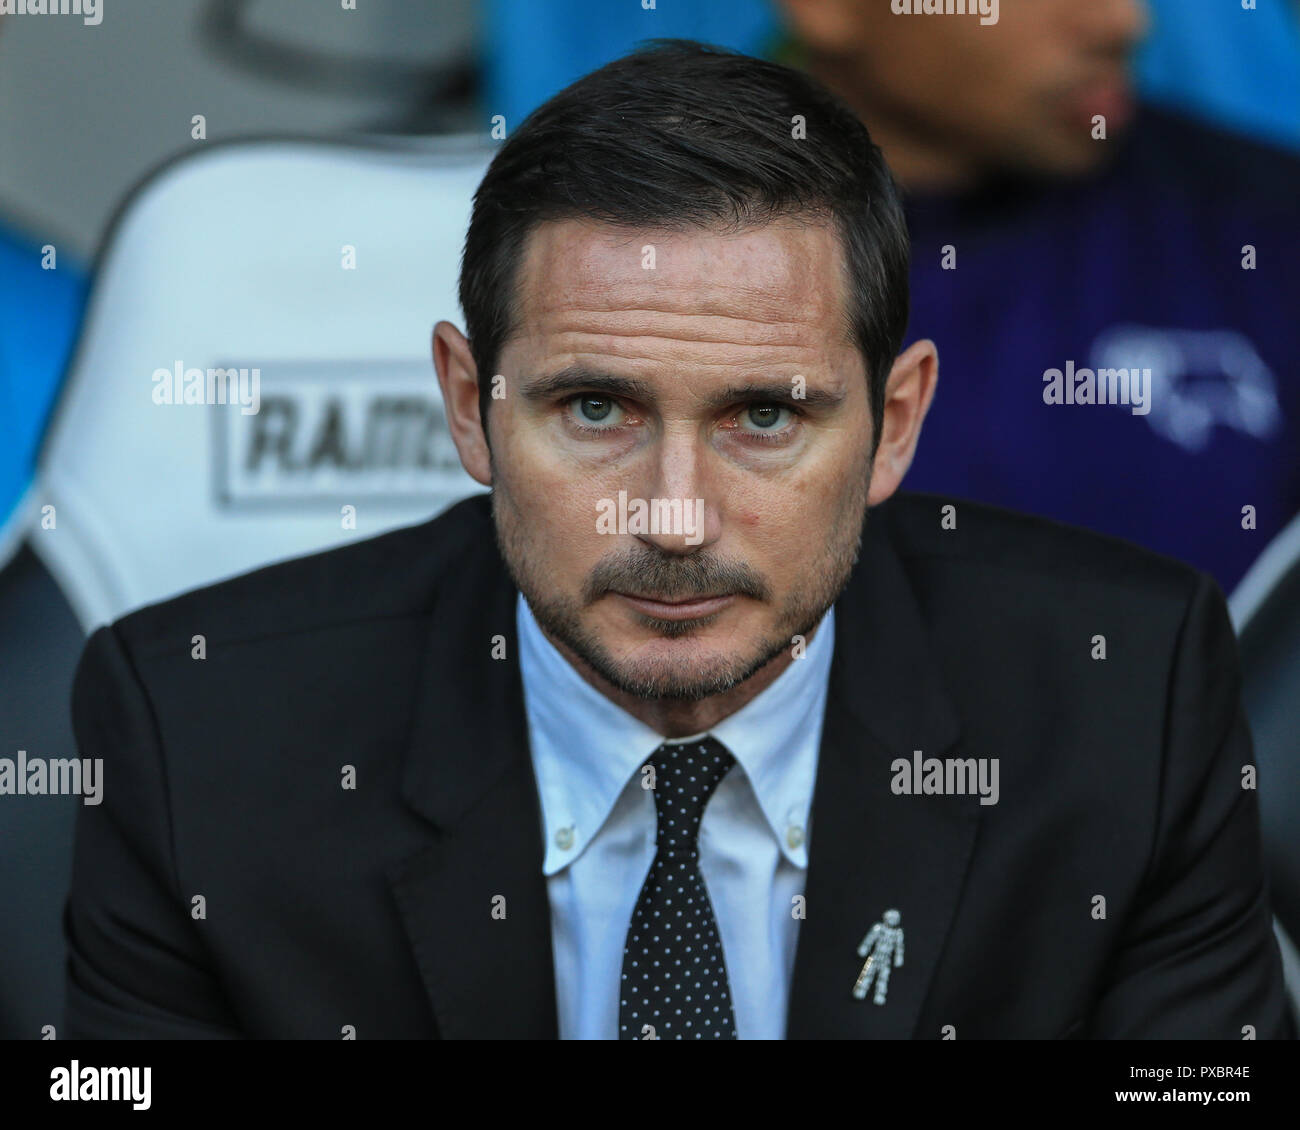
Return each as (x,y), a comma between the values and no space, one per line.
(682,520)
(1117,23)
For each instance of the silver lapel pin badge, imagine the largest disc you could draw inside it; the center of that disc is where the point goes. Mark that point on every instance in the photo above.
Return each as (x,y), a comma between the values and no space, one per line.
(883,949)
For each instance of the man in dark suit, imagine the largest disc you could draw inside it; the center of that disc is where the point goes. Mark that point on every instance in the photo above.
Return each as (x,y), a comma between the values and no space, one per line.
(668,737)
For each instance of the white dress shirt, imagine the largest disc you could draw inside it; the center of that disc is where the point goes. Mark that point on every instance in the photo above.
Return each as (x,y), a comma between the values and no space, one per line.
(599,827)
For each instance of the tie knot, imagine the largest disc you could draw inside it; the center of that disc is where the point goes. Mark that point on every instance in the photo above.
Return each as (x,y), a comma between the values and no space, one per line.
(685,777)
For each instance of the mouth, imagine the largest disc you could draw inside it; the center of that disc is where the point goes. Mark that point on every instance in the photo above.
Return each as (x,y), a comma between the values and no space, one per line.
(690,609)
(1111,97)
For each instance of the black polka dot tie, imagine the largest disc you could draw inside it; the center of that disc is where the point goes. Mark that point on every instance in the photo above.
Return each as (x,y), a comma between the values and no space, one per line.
(674,983)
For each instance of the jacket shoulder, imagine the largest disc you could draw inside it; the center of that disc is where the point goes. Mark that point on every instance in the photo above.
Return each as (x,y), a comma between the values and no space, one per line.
(391,575)
(996,539)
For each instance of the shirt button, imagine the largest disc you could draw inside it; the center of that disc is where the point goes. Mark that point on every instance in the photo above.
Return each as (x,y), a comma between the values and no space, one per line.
(564,838)
(794,835)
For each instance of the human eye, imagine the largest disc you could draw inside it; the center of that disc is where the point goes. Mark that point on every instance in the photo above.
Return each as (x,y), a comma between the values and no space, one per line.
(590,413)
(764,422)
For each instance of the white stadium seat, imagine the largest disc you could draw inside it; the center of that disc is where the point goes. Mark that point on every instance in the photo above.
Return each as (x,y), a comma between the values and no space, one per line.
(317,268)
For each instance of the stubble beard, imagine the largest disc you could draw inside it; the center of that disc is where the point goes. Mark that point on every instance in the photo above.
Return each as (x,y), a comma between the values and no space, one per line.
(689,679)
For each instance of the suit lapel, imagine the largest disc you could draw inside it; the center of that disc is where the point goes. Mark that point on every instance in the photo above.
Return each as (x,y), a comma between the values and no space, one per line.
(469,773)
(872,850)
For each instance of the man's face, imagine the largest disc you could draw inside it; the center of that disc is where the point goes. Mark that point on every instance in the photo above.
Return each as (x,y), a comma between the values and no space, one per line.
(680,376)
(1017,94)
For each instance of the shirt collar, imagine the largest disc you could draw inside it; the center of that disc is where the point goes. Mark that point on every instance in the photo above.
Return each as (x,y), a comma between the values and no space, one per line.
(586,748)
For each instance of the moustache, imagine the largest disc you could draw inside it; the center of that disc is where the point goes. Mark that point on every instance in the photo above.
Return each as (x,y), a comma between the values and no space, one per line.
(660,576)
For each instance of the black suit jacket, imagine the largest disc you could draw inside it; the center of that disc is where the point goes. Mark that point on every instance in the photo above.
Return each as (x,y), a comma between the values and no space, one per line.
(324,907)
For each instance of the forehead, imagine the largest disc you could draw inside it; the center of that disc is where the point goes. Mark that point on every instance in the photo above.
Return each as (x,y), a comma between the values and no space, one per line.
(771,282)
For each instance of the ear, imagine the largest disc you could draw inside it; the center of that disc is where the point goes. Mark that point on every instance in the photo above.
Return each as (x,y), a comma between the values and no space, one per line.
(823,25)
(908,393)
(458,379)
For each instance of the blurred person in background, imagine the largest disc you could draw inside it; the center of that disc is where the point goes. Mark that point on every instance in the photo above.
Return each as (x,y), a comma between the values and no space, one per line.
(1201,56)
(1060,227)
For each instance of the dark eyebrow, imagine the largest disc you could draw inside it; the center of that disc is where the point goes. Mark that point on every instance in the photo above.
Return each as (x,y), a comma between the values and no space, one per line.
(578,378)
(778,391)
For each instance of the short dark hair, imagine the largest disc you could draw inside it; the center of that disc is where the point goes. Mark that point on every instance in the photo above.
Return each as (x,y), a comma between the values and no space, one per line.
(681,134)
